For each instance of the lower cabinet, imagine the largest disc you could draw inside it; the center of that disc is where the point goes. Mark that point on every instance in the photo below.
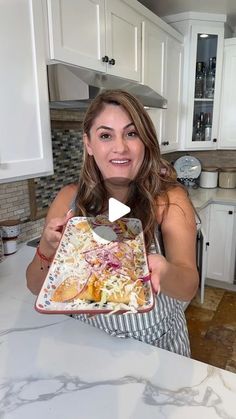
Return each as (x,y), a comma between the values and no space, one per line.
(221,243)
(202,240)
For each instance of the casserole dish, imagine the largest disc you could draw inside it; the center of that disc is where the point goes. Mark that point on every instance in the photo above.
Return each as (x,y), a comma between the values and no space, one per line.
(99,267)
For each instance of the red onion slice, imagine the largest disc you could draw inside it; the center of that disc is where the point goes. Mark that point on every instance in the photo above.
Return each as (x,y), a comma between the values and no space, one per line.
(145,278)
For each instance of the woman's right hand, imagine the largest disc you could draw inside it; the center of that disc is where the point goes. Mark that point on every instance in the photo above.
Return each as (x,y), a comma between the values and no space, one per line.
(52,234)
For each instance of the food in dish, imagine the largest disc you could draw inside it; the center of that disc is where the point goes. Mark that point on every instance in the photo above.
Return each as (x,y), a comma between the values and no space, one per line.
(89,274)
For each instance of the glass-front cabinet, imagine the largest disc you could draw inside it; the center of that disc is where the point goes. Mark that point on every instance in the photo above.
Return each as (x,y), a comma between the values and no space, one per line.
(204,87)
(206,54)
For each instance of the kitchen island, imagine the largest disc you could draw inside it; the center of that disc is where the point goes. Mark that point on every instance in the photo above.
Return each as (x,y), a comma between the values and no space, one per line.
(52,366)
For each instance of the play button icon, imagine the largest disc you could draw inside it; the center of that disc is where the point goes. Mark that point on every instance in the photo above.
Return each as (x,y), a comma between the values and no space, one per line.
(116,209)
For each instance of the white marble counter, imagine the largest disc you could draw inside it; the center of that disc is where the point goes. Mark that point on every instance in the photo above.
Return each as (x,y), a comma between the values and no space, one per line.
(201,197)
(52,366)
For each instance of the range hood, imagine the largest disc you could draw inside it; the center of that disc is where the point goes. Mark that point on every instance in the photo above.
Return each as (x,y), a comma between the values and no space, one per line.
(73,88)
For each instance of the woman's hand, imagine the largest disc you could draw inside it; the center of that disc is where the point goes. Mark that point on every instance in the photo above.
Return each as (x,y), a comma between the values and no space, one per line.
(52,234)
(157,265)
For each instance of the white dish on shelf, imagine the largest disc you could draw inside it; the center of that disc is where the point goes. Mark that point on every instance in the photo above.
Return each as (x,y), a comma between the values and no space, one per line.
(187,167)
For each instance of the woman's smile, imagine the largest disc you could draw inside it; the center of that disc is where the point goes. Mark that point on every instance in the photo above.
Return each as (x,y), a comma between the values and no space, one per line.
(123,162)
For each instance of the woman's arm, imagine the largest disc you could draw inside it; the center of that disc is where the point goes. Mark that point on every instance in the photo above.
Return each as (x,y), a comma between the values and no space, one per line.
(56,219)
(176,273)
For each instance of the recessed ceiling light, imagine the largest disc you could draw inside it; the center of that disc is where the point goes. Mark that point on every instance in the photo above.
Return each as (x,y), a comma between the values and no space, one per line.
(204,35)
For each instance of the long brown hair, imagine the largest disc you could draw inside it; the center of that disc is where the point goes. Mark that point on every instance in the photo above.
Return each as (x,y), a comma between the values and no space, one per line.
(154,178)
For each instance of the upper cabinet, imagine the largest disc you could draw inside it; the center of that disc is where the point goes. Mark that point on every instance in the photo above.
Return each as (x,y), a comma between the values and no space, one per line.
(173,93)
(154,41)
(227,132)
(202,75)
(161,54)
(104,35)
(77,32)
(25,144)
(205,87)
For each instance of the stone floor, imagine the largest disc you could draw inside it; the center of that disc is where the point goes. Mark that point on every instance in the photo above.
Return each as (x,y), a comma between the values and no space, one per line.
(212,328)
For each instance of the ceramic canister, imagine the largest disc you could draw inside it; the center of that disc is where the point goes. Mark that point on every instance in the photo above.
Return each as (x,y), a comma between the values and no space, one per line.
(227,178)
(10,228)
(209,177)
(9,246)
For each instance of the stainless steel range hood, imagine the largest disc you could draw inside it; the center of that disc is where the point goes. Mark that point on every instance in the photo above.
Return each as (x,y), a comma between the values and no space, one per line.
(73,88)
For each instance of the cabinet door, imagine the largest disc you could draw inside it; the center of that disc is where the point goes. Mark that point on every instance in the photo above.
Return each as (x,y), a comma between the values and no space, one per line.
(206,58)
(173,91)
(77,32)
(25,142)
(123,40)
(228,99)
(221,249)
(153,69)
(204,215)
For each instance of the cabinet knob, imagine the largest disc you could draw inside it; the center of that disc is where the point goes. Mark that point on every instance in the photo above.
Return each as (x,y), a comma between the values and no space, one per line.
(230,212)
(207,244)
(165,143)
(105,59)
(214,140)
(112,61)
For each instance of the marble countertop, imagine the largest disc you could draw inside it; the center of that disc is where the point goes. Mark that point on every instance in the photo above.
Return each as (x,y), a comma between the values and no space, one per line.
(201,197)
(52,366)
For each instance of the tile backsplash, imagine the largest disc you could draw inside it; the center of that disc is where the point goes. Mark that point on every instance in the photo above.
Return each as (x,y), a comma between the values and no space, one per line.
(67,149)
(67,155)
(218,158)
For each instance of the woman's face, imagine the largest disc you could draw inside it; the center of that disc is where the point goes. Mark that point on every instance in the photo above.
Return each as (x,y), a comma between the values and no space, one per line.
(114,143)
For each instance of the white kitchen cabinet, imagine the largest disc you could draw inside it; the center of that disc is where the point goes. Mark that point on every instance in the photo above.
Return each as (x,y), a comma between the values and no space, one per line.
(221,243)
(104,35)
(77,32)
(25,142)
(162,53)
(173,94)
(202,254)
(227,132)
(154,41)
(198,108)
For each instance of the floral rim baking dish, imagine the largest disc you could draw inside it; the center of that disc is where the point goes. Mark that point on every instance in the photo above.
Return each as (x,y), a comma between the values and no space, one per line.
(99,267)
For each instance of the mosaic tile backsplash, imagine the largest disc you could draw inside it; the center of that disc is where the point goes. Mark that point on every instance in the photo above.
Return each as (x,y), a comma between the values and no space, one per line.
(67,154)
(67,149)
(14,197)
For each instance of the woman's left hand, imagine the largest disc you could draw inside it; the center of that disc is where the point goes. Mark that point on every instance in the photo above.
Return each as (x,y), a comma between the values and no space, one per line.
(157,264)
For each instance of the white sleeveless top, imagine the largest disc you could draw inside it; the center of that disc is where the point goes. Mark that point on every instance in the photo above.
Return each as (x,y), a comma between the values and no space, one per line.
(164,326)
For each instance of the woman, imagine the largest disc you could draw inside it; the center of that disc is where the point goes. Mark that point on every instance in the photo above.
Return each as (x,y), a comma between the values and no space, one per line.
(122,160)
